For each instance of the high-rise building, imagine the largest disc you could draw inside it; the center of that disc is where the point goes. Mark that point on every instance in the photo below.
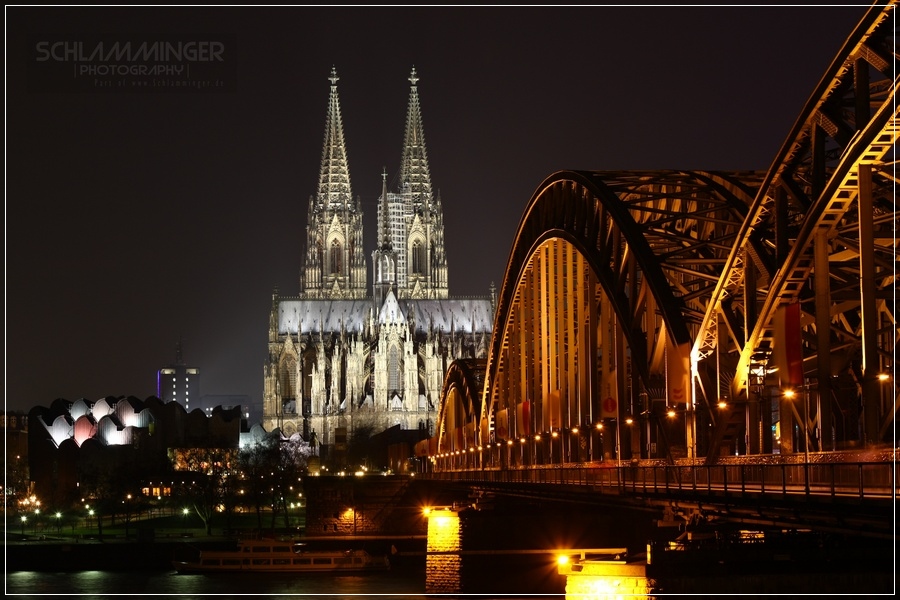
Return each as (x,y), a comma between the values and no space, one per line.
(179,383)
(345,358)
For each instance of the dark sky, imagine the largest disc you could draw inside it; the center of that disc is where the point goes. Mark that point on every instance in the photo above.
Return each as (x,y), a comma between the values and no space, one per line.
(136,219)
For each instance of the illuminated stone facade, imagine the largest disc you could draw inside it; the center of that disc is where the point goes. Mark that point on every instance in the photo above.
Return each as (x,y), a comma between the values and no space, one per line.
(343,356)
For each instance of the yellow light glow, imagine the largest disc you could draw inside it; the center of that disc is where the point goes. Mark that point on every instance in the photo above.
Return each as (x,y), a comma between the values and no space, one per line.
(629,421)
(574,430)
(599,425)
(426,511)
(670,413)
(562,560)
(789,394)
(555,434)
(722,404)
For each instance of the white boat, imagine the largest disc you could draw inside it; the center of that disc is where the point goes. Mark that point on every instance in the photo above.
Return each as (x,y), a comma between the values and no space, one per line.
(281,557)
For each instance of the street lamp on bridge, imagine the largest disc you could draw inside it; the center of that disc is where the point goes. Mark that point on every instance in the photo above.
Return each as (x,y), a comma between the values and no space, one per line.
(790,394)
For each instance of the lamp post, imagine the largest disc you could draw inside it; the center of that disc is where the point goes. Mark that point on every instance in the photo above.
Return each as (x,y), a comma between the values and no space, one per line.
(58,516)
(184,514)
(127,513)
(790,394)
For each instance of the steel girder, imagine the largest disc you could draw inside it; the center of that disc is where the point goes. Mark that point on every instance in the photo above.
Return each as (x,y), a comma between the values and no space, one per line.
(803,241)
(706,258)
(656,243)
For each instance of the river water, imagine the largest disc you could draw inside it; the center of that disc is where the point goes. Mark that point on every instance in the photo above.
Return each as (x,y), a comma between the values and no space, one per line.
(408,584)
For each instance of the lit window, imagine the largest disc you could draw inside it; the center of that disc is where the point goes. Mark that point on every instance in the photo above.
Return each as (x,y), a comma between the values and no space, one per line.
(336,257)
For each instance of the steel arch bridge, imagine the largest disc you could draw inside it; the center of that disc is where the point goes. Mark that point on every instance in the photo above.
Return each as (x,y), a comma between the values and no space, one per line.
(672,314)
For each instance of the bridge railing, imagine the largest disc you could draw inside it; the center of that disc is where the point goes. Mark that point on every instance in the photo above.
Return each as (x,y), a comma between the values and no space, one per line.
(861,480)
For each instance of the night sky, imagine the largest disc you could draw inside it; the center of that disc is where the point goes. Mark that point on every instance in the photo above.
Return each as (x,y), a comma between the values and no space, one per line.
(135,219)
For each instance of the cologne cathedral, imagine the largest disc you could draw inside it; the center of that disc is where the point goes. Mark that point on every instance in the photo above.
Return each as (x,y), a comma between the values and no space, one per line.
(348,356)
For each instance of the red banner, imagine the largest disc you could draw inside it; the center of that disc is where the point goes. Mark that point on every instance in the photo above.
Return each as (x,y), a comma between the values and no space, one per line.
(788,344)
(523,418)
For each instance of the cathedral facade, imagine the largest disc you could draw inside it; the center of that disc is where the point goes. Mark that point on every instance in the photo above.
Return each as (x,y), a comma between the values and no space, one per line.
(346,355)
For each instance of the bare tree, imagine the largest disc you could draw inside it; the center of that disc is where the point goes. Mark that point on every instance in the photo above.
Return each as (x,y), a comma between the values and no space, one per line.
(201,477)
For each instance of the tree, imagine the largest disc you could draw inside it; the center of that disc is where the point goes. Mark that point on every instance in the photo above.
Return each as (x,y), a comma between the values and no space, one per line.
(360,449)
(271,469)
(256,462)
(293,457)
(201,479)
(16,481)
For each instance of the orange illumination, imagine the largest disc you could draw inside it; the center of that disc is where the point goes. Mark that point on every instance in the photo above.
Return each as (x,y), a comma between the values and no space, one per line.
(562,559)
(789,393)
(537,437)
(629,421)
(574,430)
(670,413)
(599,425)
(722,404)
(555,434)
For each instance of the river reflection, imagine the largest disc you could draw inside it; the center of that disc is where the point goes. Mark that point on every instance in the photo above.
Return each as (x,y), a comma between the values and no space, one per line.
(100,584)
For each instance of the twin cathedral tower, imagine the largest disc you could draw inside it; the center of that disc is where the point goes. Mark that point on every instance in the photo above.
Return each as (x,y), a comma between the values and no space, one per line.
(345,357)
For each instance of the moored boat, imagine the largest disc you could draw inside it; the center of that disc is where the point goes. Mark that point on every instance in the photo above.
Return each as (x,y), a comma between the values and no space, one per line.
(281,556)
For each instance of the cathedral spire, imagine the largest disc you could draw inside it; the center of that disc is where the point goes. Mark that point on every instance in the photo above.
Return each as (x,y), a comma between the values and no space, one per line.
(335,265)
(414,174)
(334,175)
(384,259)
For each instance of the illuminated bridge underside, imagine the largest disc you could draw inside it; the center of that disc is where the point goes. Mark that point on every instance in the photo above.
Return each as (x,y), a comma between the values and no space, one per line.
(650,298)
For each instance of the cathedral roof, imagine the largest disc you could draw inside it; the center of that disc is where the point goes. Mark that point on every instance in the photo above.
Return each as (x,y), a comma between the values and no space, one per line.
(465,315)
(391,312)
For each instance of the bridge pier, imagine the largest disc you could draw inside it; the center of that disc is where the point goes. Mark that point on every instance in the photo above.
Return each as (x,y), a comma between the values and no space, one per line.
(443,562)
(511,545)
(596,579)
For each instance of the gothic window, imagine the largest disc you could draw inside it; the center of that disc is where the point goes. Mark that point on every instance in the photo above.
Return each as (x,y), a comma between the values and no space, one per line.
(393,369)
(418,258)
(336,258)
(288,377)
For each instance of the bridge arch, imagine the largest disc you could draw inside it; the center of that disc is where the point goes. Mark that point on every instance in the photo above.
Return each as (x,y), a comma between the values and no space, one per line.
(607,275)
(458,419)
(633,296)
